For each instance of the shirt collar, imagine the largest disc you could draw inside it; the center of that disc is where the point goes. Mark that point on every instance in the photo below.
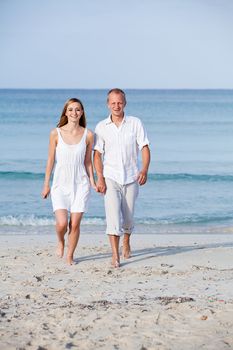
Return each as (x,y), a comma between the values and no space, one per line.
(109,120)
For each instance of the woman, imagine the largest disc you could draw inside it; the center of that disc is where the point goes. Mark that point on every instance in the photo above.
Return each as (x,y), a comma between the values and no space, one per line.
(71,144)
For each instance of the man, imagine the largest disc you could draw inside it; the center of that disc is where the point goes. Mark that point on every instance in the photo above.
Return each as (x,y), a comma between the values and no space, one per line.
(118,140)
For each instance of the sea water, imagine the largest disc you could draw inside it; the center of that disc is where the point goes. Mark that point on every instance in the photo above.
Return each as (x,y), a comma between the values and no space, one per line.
(189,187)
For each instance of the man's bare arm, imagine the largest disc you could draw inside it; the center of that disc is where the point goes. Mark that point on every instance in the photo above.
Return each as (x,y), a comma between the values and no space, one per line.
(142,177)
(98,164)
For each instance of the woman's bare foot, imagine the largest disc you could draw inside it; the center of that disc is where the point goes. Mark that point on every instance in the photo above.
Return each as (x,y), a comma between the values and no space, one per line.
(69,259)
(60,249)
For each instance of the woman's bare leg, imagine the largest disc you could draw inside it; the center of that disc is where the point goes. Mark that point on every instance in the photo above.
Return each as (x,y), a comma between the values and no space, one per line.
(74,232)
(61,216)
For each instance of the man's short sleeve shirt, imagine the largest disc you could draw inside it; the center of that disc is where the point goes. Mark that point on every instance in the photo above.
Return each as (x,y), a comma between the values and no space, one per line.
(120,147)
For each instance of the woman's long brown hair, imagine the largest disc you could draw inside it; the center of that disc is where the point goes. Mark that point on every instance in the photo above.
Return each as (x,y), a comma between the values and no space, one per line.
(64,120)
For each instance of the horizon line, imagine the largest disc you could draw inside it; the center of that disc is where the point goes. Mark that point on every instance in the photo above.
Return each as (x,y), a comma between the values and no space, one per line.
(50,88)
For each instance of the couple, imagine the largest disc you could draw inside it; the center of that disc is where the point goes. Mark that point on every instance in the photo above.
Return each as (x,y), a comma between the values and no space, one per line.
(117,142)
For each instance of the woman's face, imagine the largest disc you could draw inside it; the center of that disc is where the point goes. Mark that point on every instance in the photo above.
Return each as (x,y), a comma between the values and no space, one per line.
(74,112)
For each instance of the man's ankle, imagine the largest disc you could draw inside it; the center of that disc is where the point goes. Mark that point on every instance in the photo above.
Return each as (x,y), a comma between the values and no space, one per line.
(126,237)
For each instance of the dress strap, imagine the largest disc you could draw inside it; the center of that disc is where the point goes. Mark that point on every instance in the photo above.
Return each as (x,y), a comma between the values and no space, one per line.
(83,139)
(60,140)
(58,131)
(85,134)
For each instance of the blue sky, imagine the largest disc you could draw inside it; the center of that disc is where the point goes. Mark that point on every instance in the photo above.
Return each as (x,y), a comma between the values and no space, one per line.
(124,43)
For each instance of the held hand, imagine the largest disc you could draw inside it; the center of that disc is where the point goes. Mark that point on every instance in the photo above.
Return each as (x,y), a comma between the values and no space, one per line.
(46,191)
(101,185)
(93,185)
(142,177)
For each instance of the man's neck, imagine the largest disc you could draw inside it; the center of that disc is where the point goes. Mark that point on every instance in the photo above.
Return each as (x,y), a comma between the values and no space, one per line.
(117,120)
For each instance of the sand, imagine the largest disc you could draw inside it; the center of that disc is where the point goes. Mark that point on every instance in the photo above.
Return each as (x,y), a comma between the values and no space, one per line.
(176,292)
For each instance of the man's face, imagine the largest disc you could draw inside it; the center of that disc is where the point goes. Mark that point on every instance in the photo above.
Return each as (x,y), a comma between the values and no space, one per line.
(116,104)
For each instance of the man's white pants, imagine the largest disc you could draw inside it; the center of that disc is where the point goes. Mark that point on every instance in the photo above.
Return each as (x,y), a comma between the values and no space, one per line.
(119,203)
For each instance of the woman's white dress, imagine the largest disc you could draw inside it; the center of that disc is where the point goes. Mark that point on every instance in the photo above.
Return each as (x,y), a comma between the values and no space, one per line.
(71,186)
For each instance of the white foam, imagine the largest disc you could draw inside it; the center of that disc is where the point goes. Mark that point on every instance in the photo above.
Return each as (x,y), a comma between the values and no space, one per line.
(33,220)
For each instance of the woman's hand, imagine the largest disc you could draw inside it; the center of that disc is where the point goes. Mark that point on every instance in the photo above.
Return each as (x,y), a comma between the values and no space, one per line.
(46,191)
(93,185)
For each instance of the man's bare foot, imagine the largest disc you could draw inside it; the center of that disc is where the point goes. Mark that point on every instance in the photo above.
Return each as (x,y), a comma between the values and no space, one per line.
(60,249)
(115,262)
(126,252)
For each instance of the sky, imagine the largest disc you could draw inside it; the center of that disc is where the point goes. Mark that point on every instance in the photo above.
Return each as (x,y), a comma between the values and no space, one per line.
(147,44)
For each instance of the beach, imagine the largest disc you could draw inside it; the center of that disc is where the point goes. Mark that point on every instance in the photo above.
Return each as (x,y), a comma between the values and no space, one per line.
(175,292)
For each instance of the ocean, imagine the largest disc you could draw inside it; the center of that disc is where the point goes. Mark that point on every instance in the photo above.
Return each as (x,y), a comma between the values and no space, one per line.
(189,188)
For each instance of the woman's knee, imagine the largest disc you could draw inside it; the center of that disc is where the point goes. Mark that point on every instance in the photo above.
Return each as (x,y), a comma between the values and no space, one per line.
(62,225)
(74,226)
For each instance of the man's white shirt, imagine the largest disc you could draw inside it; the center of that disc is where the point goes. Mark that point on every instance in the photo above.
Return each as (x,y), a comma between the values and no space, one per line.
(119,147)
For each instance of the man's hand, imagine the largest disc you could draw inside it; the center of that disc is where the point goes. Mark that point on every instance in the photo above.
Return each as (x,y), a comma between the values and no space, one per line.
(142,177)
(101,185)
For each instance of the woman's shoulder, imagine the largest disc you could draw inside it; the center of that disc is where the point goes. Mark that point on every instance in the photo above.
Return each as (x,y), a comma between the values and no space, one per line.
(90,136)
(90,133)
(53,132)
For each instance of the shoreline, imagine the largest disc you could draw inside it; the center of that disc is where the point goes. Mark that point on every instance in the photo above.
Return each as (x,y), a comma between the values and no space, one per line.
(176,292)
(140,229)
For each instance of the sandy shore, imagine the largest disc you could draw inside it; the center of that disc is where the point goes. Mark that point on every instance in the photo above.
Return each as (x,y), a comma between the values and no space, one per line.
(176,292)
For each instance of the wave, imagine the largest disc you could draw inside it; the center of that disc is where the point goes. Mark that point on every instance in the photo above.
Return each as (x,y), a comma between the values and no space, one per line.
(33,220)
(21,175)
(26,175)
(190,177)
